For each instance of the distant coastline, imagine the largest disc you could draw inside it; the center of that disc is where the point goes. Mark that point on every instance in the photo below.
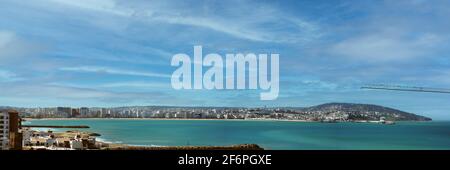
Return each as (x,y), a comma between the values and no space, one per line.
(173,119)
(328,113)
(31,119)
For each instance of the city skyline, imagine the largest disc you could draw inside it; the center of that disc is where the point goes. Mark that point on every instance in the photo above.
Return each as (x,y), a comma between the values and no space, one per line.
(111,53)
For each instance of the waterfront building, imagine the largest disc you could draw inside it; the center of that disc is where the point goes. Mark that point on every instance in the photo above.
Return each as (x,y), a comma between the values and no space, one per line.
(10,137)
(64,111)
(63,142)
(75,113)
(26,134)
(84,111)
(76,143)
(51,141)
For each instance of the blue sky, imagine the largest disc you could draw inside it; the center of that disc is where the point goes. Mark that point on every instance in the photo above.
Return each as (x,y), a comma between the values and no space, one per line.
(117,53)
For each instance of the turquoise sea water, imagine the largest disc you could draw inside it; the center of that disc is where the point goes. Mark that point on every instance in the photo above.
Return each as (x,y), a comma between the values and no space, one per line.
(268,134)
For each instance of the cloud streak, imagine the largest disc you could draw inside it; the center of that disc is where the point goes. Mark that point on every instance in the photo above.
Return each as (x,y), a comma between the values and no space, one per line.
(113,71)
(7,76)
(387,47)
(248,25)
(13,48)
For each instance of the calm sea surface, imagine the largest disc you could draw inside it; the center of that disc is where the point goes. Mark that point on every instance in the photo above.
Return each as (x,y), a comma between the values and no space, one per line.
(268,134)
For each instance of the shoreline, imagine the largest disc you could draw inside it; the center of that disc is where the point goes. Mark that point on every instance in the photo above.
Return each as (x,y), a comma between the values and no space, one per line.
(192,119)
(102,144)
(169,119)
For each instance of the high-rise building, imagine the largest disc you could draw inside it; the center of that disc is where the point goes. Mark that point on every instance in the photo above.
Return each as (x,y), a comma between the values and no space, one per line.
(75,113)
(10,136)
(64,111)
(84,111)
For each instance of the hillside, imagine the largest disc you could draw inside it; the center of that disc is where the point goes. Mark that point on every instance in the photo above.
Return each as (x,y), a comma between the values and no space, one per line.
(363,112)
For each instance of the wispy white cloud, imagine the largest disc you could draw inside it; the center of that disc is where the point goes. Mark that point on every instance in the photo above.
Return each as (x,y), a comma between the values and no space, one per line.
(107,70)
(7,76)
(38,90)
(395,31)
(12,48)
(106,6)
(49,95)
(137,84)
(384,47)
(249,25)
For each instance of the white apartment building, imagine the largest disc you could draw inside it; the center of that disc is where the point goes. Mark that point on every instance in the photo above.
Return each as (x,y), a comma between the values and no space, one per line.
(4,130)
